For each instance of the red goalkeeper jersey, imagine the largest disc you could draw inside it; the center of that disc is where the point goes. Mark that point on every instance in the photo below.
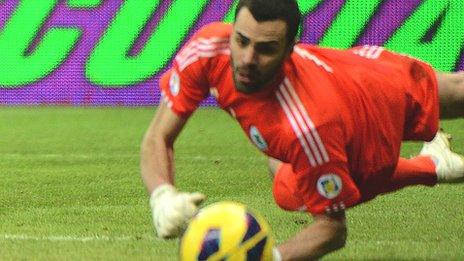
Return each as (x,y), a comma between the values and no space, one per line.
(337,116)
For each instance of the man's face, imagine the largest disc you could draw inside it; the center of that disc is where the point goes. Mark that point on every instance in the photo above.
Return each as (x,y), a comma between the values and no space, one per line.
(258,50)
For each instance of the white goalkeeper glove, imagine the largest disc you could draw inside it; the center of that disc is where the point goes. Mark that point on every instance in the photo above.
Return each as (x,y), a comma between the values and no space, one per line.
(172,209)
(276,255)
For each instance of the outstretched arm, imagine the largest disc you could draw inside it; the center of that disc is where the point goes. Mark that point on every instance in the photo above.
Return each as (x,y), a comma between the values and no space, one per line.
(171,209)
(327,233)
(157,153)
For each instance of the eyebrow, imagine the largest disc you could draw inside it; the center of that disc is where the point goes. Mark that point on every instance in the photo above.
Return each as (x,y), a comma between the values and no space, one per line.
(272,42)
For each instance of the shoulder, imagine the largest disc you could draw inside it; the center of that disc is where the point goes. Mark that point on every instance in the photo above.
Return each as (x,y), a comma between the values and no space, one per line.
(351,56)
(208,42)
(214,30)
(320,52)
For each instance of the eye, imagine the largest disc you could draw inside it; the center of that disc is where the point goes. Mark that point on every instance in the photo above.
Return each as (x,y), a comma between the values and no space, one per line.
(242,41)
(266,49)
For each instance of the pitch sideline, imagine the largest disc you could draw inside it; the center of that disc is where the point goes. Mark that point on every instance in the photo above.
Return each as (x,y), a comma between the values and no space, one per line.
(20,237)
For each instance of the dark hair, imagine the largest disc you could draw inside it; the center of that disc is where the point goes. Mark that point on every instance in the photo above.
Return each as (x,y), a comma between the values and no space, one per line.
(268,10)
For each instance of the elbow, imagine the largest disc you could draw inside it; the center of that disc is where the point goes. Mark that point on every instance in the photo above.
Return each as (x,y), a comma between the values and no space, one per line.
(342,236)
(150,142)
(339,236)
(146,145)
(146,148)
(334,237)
(152,148)
(153,139)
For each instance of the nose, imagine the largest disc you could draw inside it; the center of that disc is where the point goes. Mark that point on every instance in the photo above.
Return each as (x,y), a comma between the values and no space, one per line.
(249,56)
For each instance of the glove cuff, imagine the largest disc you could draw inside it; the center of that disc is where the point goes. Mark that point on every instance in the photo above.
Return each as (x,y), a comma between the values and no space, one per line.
(276,255)
(159,192)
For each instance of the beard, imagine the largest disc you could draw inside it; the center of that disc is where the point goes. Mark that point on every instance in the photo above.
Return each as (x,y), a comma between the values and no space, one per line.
(258,81)
(246,88)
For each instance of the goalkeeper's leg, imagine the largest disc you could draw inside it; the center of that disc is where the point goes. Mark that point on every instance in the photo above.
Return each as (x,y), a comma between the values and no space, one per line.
(284,186)
(419,170)
(449,164)
(437,163)
(416,171)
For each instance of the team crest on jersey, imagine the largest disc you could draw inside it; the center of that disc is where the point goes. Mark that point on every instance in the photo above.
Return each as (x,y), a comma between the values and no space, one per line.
(329,185)
(257,138)
(174,83)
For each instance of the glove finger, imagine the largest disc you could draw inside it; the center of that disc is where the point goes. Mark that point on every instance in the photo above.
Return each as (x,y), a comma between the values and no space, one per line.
(161,229)
(169,226)
(197,198)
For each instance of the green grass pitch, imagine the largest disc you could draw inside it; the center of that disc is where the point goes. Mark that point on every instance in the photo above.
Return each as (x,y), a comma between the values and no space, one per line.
(71,190)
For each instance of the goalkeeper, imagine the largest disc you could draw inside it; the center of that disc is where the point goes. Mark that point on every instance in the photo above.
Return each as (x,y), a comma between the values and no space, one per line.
(330,121)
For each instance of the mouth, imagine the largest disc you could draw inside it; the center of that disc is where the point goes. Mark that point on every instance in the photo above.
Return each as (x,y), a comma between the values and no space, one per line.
(245,77)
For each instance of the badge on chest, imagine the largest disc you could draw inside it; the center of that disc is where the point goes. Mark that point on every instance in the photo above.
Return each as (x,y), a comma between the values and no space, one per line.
(257,138)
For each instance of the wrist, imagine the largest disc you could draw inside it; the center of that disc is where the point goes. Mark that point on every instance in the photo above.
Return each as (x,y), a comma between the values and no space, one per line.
(160,191)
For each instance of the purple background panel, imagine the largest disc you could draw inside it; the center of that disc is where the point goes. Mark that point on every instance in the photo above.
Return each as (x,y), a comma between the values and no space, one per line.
(318,22)
(390,16)
(67,84)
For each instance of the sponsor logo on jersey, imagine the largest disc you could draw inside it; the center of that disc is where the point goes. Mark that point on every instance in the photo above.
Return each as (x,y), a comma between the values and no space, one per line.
(174,83)
(257,138)
(329,185)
